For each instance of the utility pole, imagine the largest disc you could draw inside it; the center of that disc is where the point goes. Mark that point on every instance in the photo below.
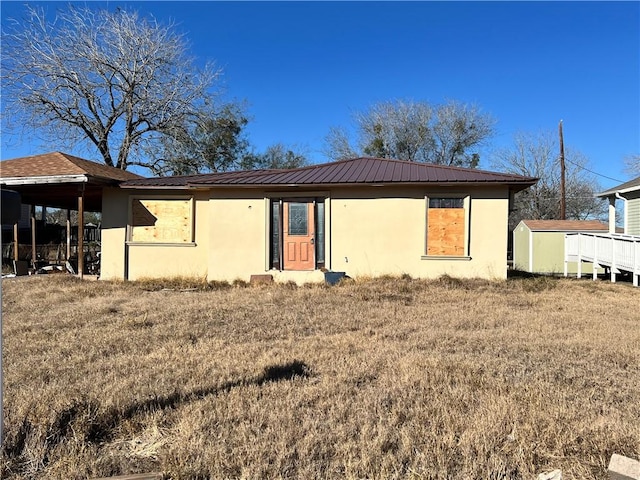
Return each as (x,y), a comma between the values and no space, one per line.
(563,195)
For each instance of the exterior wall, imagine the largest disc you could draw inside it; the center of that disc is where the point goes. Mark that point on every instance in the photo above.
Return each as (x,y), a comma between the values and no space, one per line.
(370,231)
(114,232)
(548,254)
(238,224)
(378,231)
(632,214)
(521,235)
(122,259)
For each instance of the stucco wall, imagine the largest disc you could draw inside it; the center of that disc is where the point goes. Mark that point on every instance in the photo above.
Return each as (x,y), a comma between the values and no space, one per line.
(370,231)
(388,235)
(130,260)
(238,235)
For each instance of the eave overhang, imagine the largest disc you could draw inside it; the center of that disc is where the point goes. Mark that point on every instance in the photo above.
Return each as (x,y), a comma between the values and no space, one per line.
(44,180)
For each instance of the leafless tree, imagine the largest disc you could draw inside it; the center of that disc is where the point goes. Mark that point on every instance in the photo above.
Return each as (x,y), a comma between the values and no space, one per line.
(632,164)
(536,155)
(276,156)
(338,146)
(114,78)
(443,134)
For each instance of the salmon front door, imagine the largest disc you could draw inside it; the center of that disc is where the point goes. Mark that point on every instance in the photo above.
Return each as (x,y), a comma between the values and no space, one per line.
(298,235)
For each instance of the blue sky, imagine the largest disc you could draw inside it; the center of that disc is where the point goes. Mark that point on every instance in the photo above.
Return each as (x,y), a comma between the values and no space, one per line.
(303,67)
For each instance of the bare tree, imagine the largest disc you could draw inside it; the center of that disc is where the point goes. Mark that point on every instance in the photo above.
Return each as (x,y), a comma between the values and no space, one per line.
(114,78)
(443,134)
(632,164)
(338,146)
(536,155)
(275,156)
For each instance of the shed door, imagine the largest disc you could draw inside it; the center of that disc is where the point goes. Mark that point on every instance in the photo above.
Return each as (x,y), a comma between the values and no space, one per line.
(298,236)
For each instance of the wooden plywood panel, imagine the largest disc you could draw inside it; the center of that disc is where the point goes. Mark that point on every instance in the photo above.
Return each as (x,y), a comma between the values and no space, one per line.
(161,220)
(445,231)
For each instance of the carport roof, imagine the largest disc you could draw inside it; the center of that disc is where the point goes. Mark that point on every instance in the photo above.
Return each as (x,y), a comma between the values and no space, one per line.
(57,165)
(55,179)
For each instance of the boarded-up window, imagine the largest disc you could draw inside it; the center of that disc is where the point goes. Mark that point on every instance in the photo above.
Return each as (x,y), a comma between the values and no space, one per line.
(446,228)
(161,220)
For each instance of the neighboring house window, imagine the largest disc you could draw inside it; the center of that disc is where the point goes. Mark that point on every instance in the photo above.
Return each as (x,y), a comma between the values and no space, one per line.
(161,220)
(447,220)
(297,237)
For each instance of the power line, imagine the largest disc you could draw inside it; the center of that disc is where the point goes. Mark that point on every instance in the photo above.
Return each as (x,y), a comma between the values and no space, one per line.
(591,171)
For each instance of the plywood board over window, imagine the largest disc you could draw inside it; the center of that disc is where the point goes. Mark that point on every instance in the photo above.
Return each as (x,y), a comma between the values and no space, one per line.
(446,227)
(446,232)
(161,220)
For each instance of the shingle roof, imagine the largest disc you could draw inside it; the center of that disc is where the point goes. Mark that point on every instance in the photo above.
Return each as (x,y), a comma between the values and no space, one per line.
(355,171)
(565,225)
(60,164)
(629,186)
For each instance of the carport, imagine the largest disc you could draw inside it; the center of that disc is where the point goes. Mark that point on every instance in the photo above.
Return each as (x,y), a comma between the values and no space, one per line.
(62,181)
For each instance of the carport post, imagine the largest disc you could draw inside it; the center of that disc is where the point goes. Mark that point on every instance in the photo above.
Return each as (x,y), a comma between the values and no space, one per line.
(81,232)
(68,235)
(16,249)
(33,236)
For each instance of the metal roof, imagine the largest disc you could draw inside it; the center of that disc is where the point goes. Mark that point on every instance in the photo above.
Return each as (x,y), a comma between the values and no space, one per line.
(357,171)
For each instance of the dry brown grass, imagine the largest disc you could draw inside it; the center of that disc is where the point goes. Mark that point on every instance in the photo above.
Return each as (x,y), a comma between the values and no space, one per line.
(388,378)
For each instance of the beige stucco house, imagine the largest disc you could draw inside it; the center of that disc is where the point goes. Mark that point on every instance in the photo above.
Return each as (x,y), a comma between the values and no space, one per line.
(364,217)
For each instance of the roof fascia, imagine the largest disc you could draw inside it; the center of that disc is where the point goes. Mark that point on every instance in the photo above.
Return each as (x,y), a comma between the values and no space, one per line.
(520,186)
(45,179)
(164,187)
(629,190)
(612,193)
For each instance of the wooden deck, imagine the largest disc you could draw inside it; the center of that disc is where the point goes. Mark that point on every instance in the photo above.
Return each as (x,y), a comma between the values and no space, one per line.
(617,253)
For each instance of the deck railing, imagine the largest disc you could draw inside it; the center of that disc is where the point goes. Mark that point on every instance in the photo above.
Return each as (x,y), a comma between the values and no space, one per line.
(619,253)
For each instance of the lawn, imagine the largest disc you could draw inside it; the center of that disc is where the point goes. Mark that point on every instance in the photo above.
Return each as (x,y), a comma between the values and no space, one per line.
(385,378)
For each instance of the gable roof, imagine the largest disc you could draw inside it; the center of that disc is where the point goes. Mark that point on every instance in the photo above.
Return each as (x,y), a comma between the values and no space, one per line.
(566,225)
(630,186)
(60,165)
(357,171)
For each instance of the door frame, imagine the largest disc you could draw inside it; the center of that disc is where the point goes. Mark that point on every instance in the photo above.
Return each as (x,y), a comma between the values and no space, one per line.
(276,263)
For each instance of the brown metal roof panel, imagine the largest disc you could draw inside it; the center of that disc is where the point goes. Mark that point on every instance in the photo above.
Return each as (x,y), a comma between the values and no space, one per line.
(343,172)
(323,175)
(373,172)
(353,171)
(304,176)
(360,171)
(364,172)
